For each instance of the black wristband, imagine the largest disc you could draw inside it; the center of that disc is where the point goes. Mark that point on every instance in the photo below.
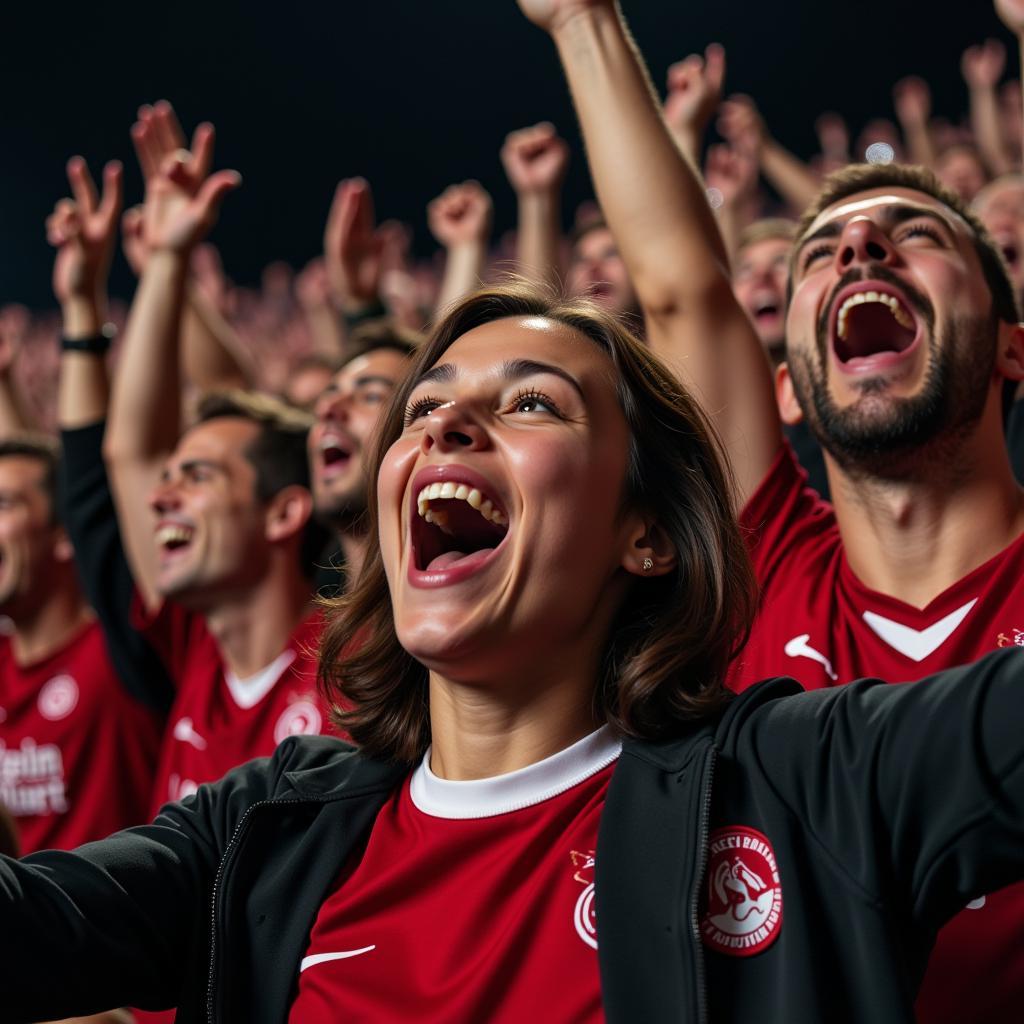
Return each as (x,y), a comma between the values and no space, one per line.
(98,344)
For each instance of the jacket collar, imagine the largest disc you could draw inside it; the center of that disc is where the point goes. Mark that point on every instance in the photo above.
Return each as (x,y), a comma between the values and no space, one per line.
(348,775)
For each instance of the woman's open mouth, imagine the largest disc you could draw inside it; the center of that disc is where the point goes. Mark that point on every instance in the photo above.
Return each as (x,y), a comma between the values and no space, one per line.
(456,526)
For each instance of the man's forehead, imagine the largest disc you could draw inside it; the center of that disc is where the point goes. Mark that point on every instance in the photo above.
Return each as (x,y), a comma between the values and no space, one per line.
(873,205)
(381,362)
(221,436)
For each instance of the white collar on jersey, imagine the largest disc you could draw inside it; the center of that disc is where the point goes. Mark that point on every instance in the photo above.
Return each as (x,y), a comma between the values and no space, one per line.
(248,692)
(485,798)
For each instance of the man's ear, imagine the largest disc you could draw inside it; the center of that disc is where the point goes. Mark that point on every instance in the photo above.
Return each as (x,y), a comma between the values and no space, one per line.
(62,549)
(288,512)
(785,397)
(648,551)
(1010,351)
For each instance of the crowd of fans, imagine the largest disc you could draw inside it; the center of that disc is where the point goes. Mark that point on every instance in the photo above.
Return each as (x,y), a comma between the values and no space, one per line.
(185,480)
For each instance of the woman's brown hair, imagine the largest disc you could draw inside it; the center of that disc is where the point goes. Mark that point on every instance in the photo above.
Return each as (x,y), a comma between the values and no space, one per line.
(673,638)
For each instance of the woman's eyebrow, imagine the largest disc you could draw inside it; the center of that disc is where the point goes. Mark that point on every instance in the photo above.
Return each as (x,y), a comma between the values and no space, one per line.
(511,370)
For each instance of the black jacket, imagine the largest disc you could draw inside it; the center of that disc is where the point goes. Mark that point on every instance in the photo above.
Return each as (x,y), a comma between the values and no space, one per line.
(888,807)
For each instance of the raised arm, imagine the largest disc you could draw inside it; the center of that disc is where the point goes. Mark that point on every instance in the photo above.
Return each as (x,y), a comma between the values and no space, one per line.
(741,123)
(14,417)
(145,412)
(1011,13)
(656,206)
(913,102)
(460,220)
(694,92)
(84,232)
(535,160)
(982,67)
(731,177)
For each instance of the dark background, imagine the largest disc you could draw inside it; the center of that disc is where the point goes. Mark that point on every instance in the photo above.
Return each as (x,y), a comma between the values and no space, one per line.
(412,94)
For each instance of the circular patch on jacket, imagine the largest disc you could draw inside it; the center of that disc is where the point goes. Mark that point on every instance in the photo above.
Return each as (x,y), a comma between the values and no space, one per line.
(57,698)
(299,719)
(743,899)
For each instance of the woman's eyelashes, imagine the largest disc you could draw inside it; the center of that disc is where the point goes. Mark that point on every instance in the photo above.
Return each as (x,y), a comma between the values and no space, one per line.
(527,401)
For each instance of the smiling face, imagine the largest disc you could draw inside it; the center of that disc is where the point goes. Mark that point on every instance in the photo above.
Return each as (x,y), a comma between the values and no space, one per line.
(759,283)
(30,542)
(209,525)
(891,335)
(1000,207)
(347,417)
(598,272)
(500,519)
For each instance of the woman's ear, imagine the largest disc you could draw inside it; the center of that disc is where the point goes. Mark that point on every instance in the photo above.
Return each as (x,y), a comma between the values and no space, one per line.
(649,552)
(288,512)
(789,408)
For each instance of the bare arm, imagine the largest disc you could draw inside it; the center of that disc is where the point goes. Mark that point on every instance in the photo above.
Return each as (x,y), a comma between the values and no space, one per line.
(145,414)
(14,417)
(535,160)
(460,219)
(694,92)
(84,232)
(982,67)
(656,206)
(742,125)
(314,295)
(731,177)
(913,102)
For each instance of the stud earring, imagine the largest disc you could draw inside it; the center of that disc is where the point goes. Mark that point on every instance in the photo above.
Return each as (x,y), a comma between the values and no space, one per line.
(647,564)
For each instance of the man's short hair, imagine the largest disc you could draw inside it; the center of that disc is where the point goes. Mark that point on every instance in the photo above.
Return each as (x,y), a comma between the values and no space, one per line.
(768,229)
(986,191)
(46,451)
(856,178)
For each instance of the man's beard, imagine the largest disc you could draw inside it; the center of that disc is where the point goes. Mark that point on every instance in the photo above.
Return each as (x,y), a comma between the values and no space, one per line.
(901,438)
(344,513)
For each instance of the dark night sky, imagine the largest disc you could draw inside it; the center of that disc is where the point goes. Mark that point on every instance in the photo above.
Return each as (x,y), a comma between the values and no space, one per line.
(413,95)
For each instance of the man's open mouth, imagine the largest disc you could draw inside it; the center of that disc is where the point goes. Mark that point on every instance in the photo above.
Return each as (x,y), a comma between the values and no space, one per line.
(335,453)
(453,522)
(172,537)
(871,322)
(766,309)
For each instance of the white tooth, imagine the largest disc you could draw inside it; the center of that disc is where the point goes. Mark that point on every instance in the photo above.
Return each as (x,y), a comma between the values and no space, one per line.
(448,490)
(871,296)
(421,504)
(429,516)
(485,509)
(475,498)
(497,518)
(424,495)
(435,491)
(461,491)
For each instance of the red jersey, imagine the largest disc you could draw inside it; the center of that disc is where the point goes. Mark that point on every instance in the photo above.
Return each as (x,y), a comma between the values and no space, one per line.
(472,901)
(77,751)
(821,625)
(219,721)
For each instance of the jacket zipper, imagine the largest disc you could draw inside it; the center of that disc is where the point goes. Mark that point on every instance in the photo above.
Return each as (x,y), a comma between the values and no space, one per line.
(217,881)
(702,863)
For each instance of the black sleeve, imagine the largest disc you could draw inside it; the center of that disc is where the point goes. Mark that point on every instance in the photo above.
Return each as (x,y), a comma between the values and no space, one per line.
(87,510)
(124,921)
(917,789)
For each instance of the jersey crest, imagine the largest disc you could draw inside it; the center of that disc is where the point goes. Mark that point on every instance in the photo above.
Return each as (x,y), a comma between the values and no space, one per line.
(584,915)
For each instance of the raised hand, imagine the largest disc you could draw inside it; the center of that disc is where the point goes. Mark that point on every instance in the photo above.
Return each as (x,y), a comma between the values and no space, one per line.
(695,90)
(983,65)
(133,243)
(913,101)
(1011,13)
(83,230)
(182,197)
(733,172)
(535,159)
(551,15)
(353,246)
(460,215)
(740,122)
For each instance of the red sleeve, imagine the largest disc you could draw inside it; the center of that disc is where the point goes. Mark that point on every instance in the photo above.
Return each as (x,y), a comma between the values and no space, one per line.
(782,515)
(175,634)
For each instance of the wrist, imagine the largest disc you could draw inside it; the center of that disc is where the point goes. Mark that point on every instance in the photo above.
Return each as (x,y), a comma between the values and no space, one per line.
(579,19)
(83,315)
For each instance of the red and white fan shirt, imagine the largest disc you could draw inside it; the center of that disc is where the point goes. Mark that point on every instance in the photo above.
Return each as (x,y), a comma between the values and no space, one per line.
(219,721)
(77,751)
(472,901)
(821,625)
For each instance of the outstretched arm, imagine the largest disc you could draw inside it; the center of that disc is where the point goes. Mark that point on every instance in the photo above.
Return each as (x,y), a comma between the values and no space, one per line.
(694,92)
(535,160)
(982,67)
(657,209)
(913,101)
(460,219)
(14,417)
(145,412)
(1011,12)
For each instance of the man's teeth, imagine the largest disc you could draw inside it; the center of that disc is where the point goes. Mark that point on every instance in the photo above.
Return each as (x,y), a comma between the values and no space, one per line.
(893,304)
(460,492)
(173,535)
